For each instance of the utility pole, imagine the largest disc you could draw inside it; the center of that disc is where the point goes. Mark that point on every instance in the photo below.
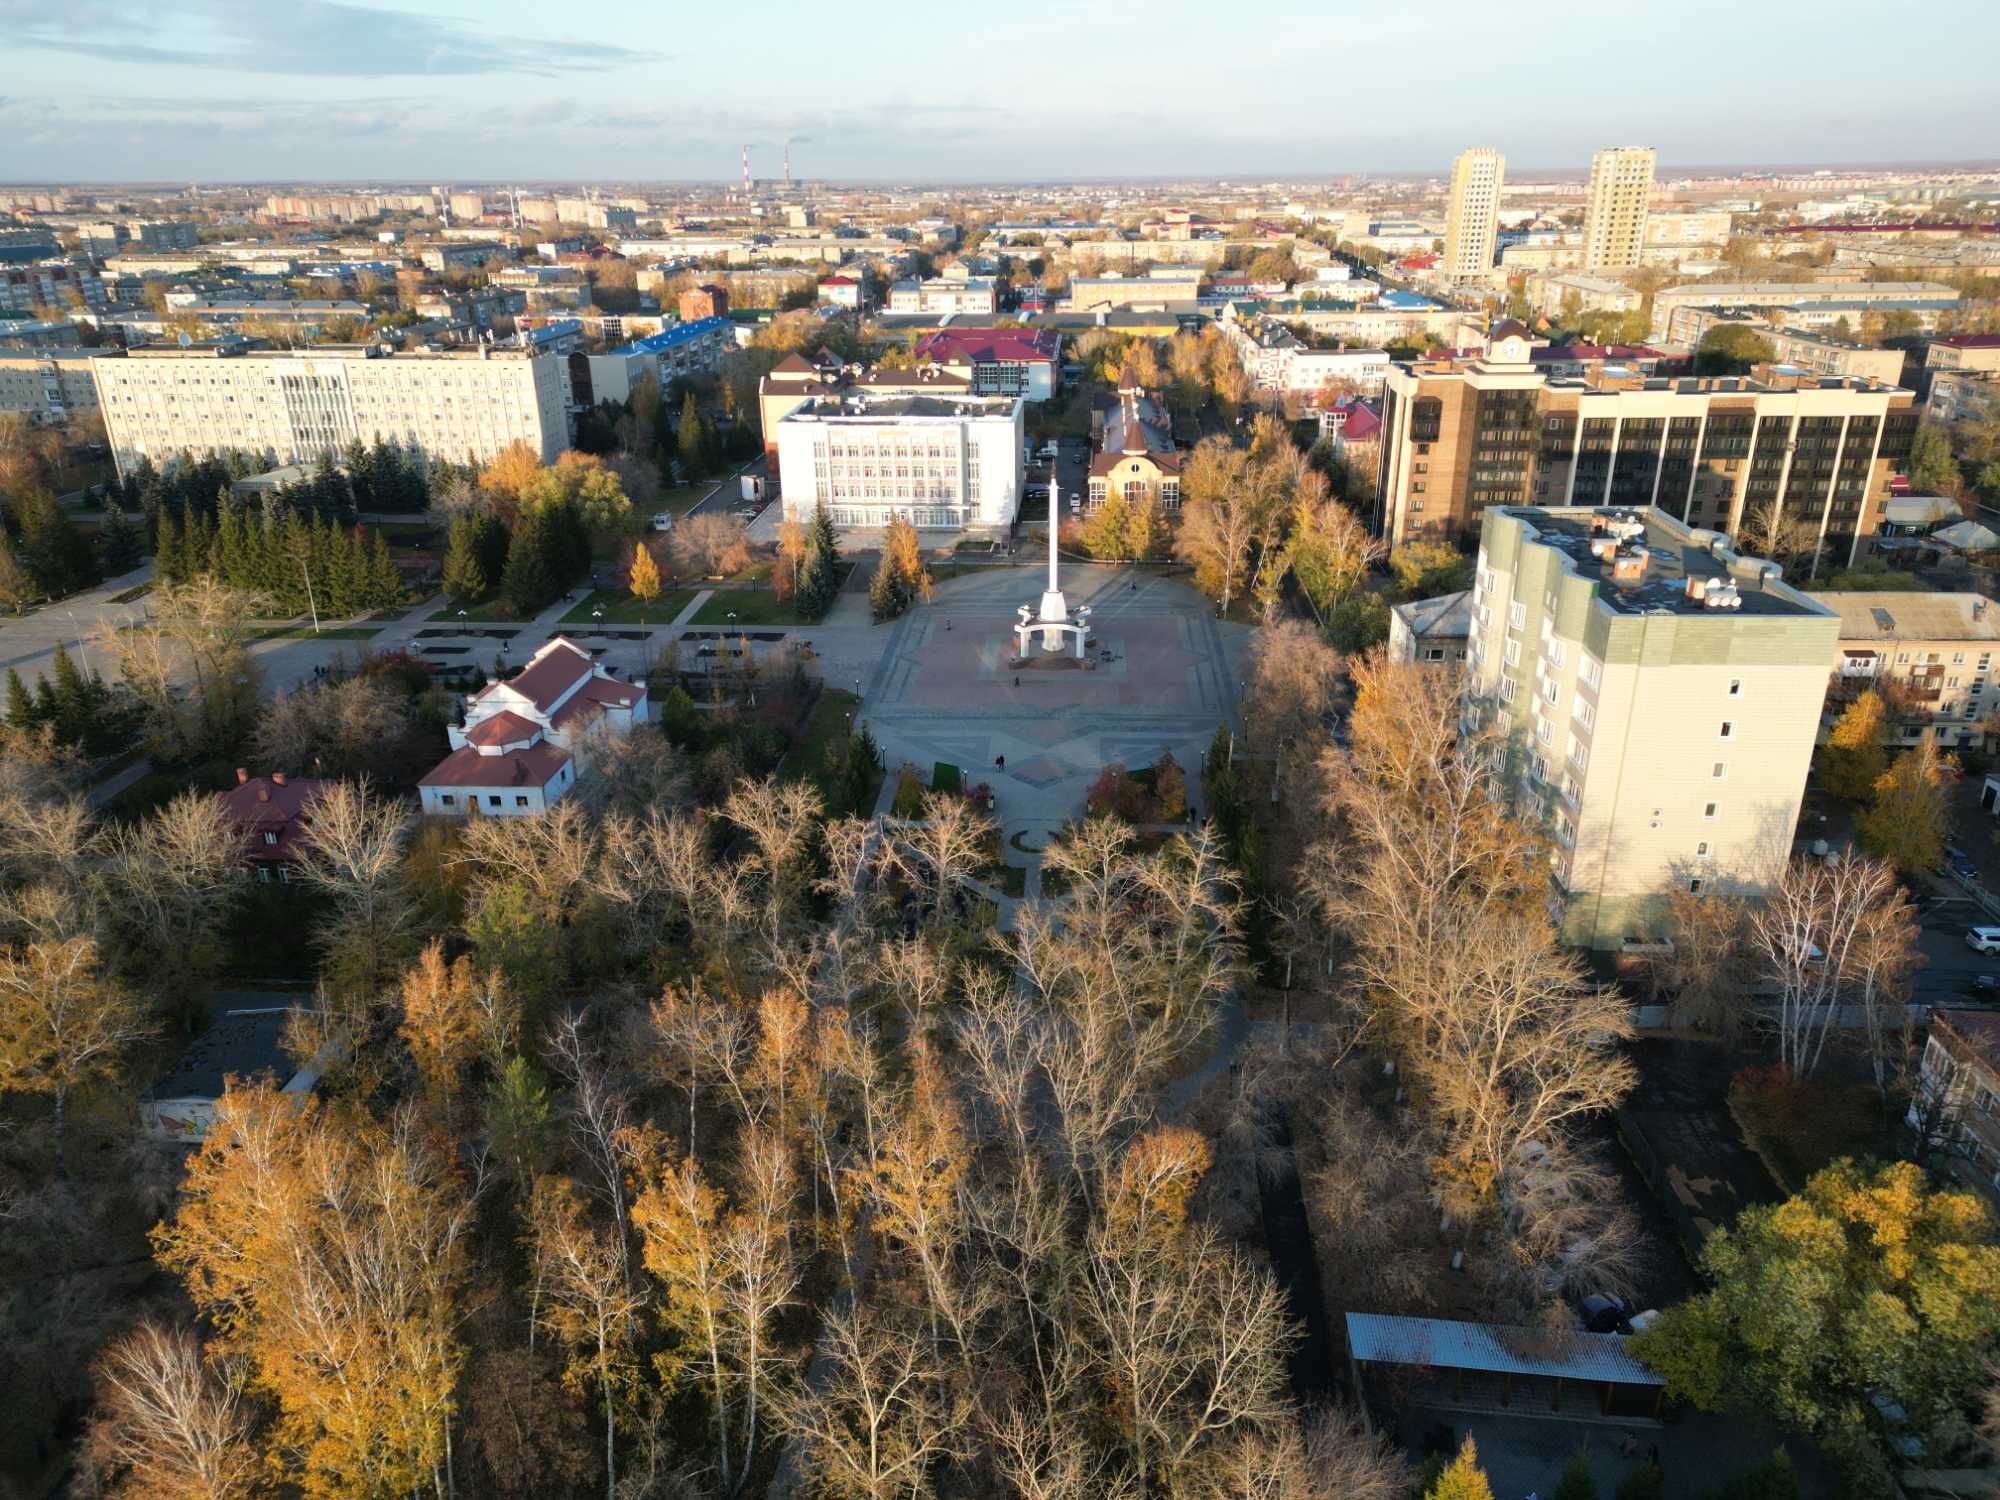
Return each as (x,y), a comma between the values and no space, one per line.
(306,573)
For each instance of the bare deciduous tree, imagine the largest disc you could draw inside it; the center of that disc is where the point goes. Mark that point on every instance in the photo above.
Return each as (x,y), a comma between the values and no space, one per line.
(587,1303)
(885,1417)
(172,1425)
(1829,930)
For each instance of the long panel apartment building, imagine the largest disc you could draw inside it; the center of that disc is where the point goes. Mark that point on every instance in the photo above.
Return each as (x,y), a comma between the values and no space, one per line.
(293,406)
(1462,435)
(1662,694)
(937,461)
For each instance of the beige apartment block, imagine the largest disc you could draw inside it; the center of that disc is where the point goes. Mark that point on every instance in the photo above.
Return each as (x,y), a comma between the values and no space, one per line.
(293,406)
(1933,653)
(1614,215)
(1661,693)
(1472,205)
(1462,435)
(49,386)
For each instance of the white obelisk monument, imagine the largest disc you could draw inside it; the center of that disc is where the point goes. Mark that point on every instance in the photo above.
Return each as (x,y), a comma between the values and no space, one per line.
(1053,618)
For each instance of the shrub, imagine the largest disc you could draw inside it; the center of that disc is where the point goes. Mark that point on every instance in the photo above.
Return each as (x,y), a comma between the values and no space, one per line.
(910,789)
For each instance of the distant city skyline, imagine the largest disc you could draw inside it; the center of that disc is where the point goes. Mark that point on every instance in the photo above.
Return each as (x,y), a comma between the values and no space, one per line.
(1101,89)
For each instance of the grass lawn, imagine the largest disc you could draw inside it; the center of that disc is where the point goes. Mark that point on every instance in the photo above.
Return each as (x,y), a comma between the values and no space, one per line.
(1011,879)
(493,611)
(329,633)
(752,607)
(831,721)
(679,499)
(620,608)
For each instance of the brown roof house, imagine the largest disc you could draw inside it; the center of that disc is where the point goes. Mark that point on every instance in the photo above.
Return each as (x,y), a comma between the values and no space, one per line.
(526,740)
(1136,456)
(273,813)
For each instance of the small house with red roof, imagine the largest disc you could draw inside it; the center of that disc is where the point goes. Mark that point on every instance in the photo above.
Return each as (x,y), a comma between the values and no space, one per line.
(525,741)
(1004,361)
(273,813)
(840,291)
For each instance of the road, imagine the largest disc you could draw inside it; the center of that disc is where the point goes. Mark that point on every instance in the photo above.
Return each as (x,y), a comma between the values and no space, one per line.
(1949,966)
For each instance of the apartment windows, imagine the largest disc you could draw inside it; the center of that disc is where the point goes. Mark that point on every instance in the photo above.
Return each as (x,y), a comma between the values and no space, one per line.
(1551,690)
(1736,687)
(1512,652)
(1728,730)
(1720,771)
(1710,811)
(1695,884)
(1589,672)
(1517,615)
(1703,850)
(1545,733)
(1579,753)
(1586,713)
(1556,654)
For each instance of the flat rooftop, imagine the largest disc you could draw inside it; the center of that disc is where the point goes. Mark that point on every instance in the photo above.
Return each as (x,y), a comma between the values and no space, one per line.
(875,408)
(244,1042)
(1655,557)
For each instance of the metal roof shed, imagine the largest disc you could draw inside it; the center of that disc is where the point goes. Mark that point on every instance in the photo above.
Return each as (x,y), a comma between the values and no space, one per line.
(1488,1349)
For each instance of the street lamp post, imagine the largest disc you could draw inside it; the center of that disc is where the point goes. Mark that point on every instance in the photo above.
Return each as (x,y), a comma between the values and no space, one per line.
(306,573)
(77,631)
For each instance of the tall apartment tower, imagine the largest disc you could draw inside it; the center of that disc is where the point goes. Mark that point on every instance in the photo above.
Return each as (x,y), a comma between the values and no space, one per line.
(1471,213)
(1614,220)
(1661,693)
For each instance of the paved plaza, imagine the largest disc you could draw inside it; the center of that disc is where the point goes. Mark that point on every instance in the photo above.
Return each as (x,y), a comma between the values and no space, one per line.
(945,689)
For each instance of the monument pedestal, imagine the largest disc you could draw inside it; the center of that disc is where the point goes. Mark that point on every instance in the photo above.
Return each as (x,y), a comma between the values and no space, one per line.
(1053,620)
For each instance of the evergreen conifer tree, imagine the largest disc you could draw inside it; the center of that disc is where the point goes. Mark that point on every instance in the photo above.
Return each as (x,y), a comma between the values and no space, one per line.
(20,708)
(530,580)
(119,539)
(169,559)
(385,584)
(465,575)
(692,445)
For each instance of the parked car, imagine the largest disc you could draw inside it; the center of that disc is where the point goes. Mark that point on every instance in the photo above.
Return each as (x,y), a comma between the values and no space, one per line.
(1983,939)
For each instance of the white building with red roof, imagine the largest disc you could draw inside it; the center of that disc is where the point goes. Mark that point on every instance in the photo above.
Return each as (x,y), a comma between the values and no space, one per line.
(525,741)
(1004,361)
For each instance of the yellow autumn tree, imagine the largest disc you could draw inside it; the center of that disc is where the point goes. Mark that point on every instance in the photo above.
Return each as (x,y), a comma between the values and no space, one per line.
(1853,756)
(328,1253)
(446,1010)
(645,575)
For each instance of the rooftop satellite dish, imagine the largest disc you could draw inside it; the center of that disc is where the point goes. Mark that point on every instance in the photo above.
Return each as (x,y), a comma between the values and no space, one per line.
(186,341)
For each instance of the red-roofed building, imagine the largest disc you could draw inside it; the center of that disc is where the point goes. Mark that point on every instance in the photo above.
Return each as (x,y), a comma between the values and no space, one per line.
(526,740)
(1004,361)
(840,291)
(273,813)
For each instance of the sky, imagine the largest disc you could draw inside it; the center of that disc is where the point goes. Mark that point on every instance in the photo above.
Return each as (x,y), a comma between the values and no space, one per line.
(640,90)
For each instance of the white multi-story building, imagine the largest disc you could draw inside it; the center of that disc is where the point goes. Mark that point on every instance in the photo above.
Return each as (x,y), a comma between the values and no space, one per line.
(1472,207)
(293,406)
(1662,695)
(945,294)
(938,461)
(1614,217)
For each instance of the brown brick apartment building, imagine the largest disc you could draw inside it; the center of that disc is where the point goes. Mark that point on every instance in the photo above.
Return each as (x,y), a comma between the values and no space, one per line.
(1462,435)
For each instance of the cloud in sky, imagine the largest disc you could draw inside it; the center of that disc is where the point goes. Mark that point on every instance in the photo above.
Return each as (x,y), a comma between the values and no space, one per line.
(326,38)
